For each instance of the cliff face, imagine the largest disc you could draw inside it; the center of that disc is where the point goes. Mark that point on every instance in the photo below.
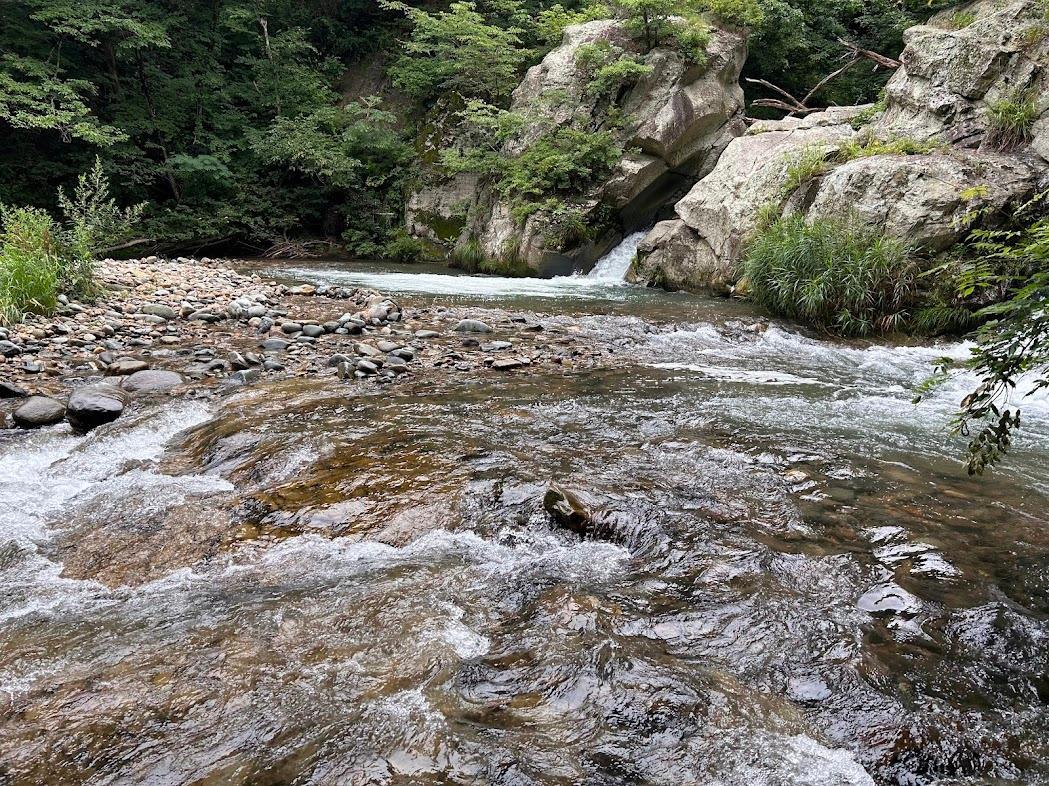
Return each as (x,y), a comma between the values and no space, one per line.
(930,157)
(673,123)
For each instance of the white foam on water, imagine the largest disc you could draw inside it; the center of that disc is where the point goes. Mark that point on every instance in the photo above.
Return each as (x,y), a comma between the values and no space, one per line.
(606,280)
(52,470)
(613,266)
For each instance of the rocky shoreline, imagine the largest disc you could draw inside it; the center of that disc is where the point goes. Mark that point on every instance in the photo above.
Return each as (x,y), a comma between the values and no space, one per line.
(162,326)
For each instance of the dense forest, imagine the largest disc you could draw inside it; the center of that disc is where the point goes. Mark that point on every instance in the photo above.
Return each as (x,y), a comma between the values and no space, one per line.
(252,122)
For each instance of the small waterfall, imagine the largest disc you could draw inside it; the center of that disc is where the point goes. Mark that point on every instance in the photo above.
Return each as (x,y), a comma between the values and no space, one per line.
(613,266)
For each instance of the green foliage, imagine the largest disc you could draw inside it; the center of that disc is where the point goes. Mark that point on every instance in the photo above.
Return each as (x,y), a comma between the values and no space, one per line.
(402,247)
(609,68)
(692,34)
(562,161)
(1013,343)
(842,276)
(551,22)
(470,256)
(40,258)
(868,145)
(29,263)
(959,20)
(804,165)
(1011,120)
(744,13)
(457,51)
(868,115)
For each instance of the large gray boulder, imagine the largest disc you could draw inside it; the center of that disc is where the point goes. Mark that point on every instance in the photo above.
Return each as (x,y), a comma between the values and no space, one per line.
(951,77)
(676,120)
(924,200)
(941,96)
(700,250)
(38,411)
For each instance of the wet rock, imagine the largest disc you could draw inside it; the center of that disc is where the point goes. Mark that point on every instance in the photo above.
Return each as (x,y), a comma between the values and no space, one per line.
(336,359)
(272,365)
(152,380)
(39,411)
(568,510)
(94,405)
(238,362)
(344,369)
(289,328)
(246,376)
(275,344)
(203,316)
(367,367)
(9,390)
(472,326)
(125,367)
(8,349)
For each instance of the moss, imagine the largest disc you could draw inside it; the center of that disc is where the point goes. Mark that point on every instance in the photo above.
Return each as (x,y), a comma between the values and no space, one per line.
(445,228)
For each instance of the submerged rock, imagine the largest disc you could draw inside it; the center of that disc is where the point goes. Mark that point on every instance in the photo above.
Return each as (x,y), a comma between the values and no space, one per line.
(94,405)
(39,411)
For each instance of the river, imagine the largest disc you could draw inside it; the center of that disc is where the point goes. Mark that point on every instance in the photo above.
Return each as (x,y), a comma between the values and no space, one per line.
(315,582)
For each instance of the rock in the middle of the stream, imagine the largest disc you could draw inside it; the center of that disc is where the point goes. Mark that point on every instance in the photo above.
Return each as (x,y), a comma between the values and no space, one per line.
(93,405)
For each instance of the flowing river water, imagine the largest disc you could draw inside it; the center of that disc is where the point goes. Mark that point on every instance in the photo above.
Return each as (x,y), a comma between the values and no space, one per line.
(319,582)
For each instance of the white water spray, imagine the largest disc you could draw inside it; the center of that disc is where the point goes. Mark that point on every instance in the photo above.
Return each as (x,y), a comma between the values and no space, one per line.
(613,266)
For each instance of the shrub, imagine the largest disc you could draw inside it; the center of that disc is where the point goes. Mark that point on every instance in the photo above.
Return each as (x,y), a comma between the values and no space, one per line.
(402,247)
(843,276)
(563,161)
(609,69)
(692,36)
(470,256)
(1011,120)
(745,13)
(30,263)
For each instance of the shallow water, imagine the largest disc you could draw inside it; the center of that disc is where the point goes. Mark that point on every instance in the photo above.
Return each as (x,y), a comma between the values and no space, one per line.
(307,582)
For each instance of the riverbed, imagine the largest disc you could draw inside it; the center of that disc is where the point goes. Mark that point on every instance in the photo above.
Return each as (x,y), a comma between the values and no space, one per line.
(313,581)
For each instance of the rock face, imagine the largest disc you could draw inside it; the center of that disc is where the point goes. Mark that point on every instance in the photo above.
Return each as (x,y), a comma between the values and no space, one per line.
(940,97)
(94,405)
(676,120)
(699,249)
(951,77)
(39,411)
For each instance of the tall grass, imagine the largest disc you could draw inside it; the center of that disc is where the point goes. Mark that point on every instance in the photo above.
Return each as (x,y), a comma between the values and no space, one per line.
(841,275)
(30,263)
(41,258)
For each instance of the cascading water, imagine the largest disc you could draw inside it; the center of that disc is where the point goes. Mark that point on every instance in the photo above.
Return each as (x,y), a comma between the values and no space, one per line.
(612,268)
(320,584)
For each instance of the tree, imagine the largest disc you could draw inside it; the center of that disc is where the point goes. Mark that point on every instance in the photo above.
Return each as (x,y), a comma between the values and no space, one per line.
(458,51)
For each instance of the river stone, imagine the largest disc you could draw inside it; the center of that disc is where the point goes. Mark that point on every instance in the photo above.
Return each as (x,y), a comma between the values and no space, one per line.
(9,350)
(125,367)
(39,411)
(426,334)
(367,367)
(387,346)
(312,331)
(506,364)
(93,405)
(245,376)
(291,327)
(203,316)
(568,510)
(9,390)
(159,310)
(274,344)
(472,326)
(150,380)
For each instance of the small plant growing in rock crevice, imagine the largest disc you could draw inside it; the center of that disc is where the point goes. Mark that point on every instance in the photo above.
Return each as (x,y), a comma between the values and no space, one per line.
(1011,120)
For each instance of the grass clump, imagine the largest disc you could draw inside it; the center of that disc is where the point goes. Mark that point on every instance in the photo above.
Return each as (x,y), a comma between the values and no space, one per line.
(868,146)
(841,275)
(471,257)
(961,20)
(808,164)
(1011,120)
(30,263)
(41,258)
